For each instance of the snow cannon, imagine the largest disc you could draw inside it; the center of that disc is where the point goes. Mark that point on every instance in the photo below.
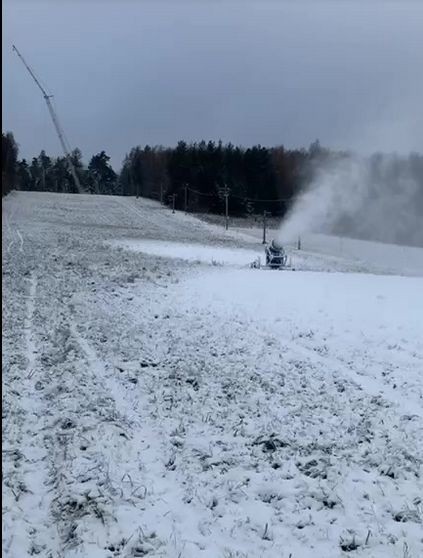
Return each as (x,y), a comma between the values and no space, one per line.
(276,256)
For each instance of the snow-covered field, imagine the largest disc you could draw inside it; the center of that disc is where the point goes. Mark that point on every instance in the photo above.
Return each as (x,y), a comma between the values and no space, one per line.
(371,256)
(162,399)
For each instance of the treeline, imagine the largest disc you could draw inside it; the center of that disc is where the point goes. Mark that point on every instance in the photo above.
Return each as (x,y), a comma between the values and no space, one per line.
(47,174)
(196,175)
(200,175)
(52,174)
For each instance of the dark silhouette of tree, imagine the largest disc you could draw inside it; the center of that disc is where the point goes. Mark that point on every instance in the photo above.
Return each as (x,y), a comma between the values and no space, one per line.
(181,171)
(36,174)
(9,157)
(23,175)
(81,172)
(63,181)
(102,178)
(124,180)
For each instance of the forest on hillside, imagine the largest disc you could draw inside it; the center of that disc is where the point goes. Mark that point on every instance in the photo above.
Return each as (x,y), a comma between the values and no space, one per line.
(199,176)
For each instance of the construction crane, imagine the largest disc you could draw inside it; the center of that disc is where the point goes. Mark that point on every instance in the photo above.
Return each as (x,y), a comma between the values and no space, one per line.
(56,122)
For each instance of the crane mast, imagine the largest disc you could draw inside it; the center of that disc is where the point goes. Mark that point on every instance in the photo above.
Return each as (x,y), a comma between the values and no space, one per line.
(55,120)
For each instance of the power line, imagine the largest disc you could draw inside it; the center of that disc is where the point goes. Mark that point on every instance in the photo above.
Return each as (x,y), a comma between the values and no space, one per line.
(278,200)
(201,193)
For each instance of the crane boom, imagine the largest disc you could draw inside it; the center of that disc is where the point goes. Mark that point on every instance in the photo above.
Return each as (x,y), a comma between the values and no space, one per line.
(55,120)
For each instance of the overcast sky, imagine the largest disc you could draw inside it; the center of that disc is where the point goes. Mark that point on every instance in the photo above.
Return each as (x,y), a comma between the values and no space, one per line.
(131,72)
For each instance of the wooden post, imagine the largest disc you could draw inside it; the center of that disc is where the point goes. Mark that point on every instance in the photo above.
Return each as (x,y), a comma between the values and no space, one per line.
(173,203)
(264,227)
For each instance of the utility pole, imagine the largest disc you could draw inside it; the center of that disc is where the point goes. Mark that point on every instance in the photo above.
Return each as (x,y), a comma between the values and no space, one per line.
(55,120)
(299,243)
(264,226)
(226,207)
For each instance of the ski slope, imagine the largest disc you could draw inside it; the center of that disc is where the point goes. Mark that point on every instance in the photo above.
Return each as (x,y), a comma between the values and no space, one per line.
(162,399)
(372,256)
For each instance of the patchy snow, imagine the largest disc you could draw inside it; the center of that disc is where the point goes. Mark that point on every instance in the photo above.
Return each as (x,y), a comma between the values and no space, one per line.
(327,314)
(155,405)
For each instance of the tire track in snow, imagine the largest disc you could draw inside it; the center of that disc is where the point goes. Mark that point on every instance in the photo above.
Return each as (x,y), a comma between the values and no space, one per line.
(37,511)
(96,486)
(87,349)
(12,230)
(31,351)
(134,469)
(18,232)
(30,511)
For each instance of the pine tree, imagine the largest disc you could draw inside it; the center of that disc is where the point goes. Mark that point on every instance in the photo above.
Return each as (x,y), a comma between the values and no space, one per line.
(101,177)
(9,156)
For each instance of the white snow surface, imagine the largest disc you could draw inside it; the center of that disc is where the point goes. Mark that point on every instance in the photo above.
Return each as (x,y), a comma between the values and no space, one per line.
(376,257)
(191,252)
(155,404)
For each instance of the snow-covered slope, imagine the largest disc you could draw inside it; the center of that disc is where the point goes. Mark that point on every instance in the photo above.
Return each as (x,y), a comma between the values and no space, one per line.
(375,257)
(163,399)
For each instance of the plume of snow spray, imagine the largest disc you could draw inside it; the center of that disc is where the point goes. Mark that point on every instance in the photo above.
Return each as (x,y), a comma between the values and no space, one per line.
(379,198)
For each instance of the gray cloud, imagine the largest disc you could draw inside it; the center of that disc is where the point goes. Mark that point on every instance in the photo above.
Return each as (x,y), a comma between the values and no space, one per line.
(127,73)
